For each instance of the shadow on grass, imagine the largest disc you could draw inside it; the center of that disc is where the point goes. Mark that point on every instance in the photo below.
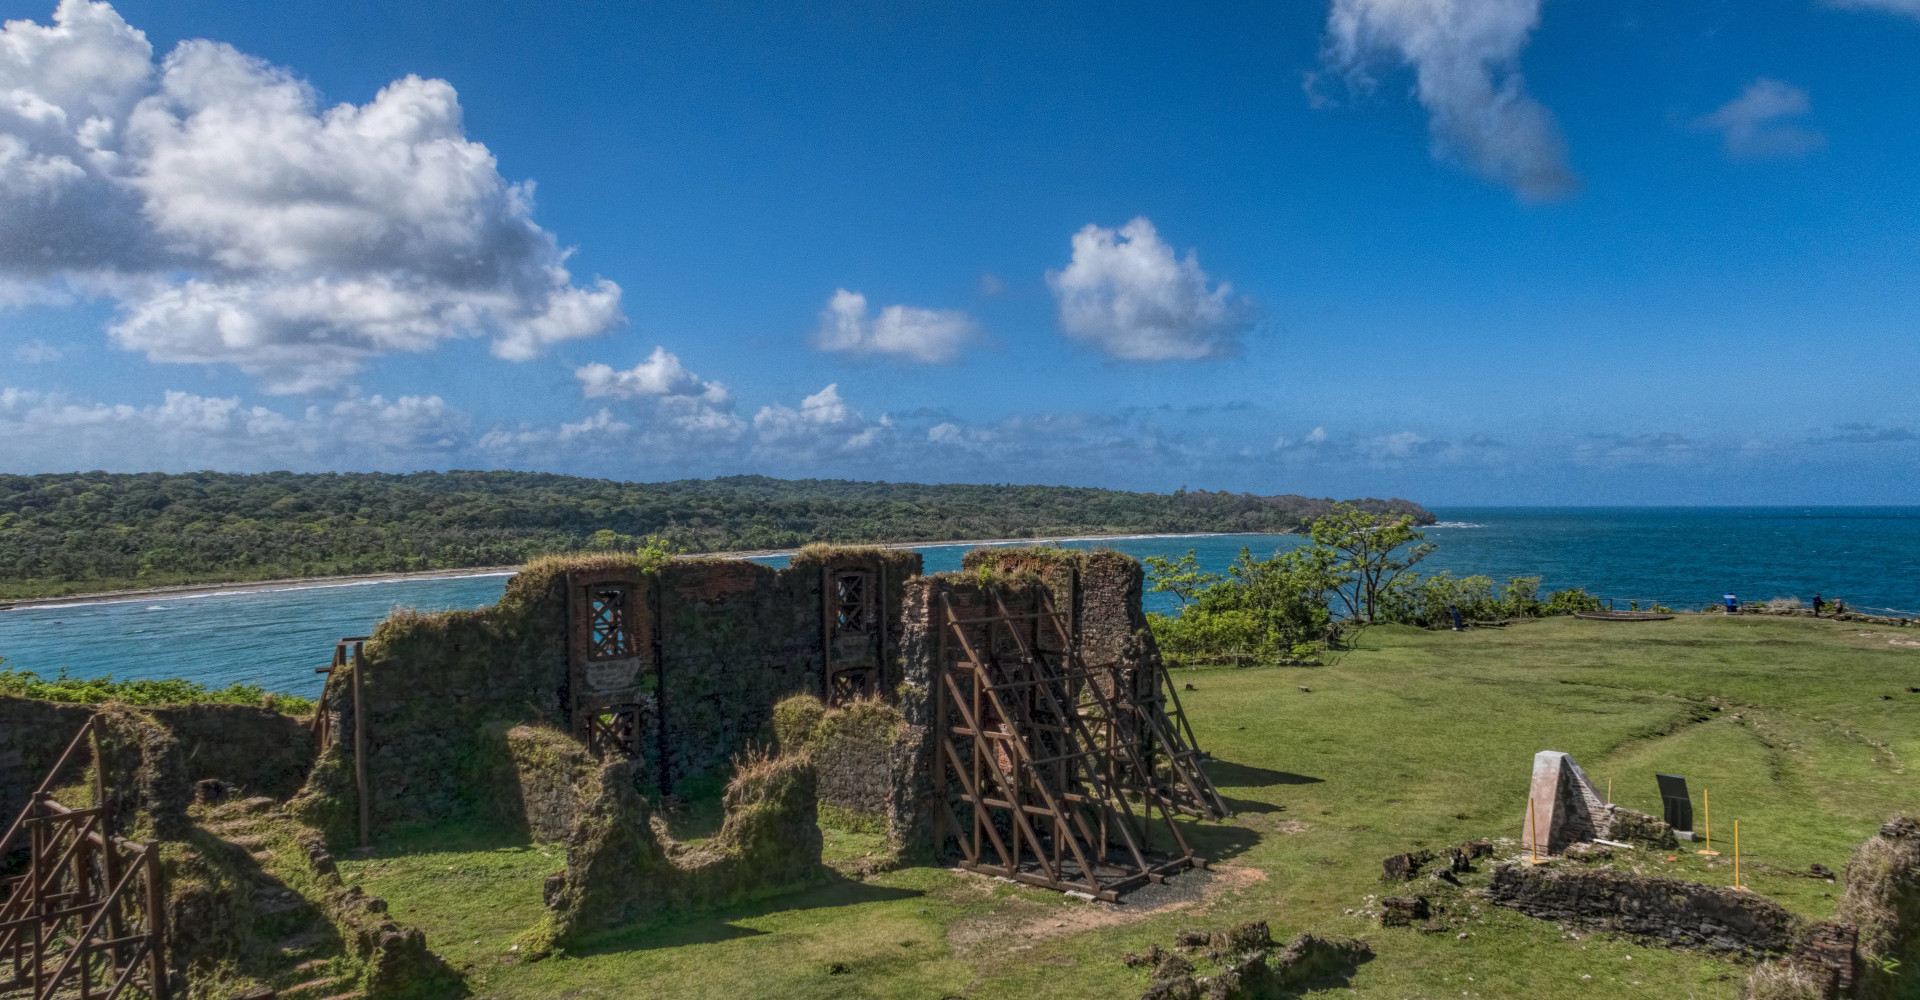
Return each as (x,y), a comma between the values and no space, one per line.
(1335,976)
(1226,772)
(463,837)
(1218,842)
(710,926)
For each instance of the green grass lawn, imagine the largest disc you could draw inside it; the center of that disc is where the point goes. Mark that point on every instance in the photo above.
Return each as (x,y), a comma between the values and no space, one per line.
(1802,731)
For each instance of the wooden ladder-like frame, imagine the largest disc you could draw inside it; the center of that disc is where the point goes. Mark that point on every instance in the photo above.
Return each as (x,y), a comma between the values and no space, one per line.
(1051,756)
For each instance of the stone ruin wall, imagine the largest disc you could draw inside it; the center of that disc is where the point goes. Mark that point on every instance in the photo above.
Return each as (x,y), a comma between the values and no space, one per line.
(716,643)
(451,697)
(1100,589)
(257,751)
(735,637)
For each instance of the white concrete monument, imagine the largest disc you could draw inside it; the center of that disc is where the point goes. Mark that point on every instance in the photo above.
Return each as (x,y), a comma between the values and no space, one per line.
(1565,807)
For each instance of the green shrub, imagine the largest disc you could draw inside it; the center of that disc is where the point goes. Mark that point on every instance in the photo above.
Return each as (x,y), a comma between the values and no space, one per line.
(1425,600)
(1567,602)
(168,691)
(1265,610)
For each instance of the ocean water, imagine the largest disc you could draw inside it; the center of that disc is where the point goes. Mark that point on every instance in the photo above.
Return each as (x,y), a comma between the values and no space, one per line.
(1683,557)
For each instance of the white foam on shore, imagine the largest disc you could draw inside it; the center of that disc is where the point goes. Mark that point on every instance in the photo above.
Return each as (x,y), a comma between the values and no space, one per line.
(237,591)
(1000,542)
(1455,524)
(455,575)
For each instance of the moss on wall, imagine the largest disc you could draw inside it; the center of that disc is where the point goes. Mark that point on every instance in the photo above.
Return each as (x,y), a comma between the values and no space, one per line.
(441,690)
(1883,900)
(553,773)
(623,869)
(256,750)
(794,721)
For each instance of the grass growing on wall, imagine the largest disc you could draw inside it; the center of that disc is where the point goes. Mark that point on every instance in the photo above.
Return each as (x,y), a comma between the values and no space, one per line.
(1804,731)
(170,691)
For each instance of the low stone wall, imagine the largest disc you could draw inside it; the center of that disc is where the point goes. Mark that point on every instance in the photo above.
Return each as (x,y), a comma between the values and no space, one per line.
(552,772)
(1672,911)
(621,868)
(239,884)
(1883,901)
(253,750)
(852,747)
(32,735)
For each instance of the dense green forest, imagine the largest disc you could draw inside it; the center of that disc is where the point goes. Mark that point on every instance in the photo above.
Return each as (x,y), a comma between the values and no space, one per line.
(72,533)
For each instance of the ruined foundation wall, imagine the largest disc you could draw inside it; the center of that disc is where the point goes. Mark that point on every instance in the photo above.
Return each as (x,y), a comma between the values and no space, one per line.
(256,750)
(852,747)
(622,869)
(32,735)
(1673,911)
(1883,900)
(552,774)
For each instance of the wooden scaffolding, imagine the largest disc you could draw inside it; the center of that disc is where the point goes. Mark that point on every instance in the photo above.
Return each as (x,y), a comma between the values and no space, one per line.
(1064,771)
(83,916)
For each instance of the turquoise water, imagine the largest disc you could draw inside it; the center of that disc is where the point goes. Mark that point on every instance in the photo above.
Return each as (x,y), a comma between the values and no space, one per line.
(1684,557)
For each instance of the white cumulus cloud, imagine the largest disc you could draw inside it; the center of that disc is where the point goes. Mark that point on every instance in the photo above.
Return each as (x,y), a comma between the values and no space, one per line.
(235,220)
(1126,293)
(701,411)
(823,424)
(661,374)
(906,332)
(1760,122)
(1466,60)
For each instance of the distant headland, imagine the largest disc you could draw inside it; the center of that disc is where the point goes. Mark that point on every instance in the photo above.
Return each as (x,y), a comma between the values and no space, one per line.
(81,533)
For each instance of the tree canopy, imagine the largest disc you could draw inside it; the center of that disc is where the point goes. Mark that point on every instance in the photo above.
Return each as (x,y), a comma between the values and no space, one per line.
(76,532)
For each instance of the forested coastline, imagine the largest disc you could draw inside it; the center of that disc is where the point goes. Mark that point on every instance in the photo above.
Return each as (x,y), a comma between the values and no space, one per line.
(81,532)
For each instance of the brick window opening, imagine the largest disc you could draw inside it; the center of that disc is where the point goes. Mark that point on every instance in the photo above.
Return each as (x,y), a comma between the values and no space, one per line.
(607,632)
(614,733)
(850,602)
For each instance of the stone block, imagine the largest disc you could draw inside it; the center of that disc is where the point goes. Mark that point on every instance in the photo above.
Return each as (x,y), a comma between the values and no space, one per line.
(1400,911)
(1563,806)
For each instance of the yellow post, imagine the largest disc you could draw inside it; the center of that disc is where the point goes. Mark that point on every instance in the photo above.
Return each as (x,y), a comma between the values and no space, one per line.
(1736,855)
(1609,791)
(1706,806)
(1533,834)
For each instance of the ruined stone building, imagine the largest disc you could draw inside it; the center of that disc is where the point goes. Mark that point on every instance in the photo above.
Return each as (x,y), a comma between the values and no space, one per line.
(1013,716)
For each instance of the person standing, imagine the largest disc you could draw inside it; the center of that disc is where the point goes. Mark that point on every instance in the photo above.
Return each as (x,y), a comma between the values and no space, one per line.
(1817,605)
(1733,604)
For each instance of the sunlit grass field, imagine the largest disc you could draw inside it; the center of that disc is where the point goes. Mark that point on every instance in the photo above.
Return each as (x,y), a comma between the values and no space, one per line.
(1803,731)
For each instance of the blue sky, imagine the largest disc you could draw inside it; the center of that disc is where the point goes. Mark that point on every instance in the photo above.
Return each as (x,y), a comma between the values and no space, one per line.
(1496,252)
